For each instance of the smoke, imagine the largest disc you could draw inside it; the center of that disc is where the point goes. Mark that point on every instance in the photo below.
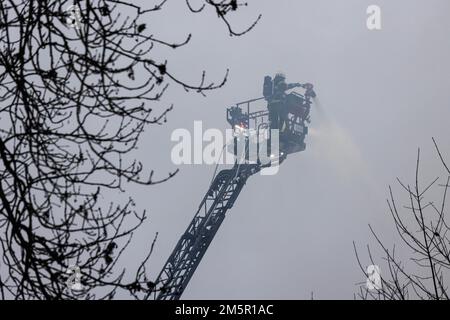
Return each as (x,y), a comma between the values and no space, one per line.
(335,147)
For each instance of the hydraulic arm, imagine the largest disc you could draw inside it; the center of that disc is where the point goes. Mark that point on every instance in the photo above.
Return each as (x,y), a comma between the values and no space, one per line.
(190,249)
(228,183)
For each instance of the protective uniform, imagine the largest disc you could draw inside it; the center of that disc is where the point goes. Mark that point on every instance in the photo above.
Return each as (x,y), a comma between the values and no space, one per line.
(275,94)
(276,101)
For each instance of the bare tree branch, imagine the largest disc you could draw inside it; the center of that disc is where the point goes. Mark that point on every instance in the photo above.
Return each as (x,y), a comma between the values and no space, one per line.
(423,231)
(78,86)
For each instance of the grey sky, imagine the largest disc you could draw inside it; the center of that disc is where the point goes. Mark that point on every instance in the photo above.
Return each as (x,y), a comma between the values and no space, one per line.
(385,93)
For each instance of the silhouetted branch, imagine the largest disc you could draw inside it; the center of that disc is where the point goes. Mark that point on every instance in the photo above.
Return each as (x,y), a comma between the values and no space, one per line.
(78,85)
(424,231)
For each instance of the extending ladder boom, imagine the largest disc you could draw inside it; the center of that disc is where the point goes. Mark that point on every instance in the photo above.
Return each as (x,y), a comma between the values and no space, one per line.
(227,184)
(193,244)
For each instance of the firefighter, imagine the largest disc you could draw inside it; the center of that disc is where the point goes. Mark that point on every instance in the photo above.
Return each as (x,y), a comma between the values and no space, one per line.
(278,112)
(274,102)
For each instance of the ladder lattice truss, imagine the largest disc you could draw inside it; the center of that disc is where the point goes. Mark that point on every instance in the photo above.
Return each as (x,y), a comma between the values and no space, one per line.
(193,244)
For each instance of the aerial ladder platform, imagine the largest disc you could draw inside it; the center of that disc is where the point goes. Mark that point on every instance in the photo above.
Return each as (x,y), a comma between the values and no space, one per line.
(250,122)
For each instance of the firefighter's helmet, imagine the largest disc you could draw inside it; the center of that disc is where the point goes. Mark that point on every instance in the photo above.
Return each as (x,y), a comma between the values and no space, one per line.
(279,77)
